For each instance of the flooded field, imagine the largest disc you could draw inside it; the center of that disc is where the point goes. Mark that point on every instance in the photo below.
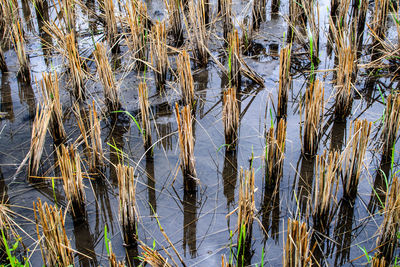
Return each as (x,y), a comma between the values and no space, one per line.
(199,133)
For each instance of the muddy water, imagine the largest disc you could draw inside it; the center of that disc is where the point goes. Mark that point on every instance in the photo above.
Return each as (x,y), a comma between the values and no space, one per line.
(197,224)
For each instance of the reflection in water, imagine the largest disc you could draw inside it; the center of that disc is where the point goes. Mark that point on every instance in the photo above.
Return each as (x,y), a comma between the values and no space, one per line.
(378,194)
(42,15)
(337,135)
(90,4)
(318,242)
(26,10)
(343,232)
(163,114)
(229,175)
(305,183)
(26,94)
(84,243)
(200,87)
(6,98)
(271,212)
(190,221)
(151,184)
(132,255)
(104,215)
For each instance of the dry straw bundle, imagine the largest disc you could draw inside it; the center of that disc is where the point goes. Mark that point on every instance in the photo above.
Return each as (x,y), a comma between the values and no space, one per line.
(159,54)
(145,114)
(296,250)
(275,153)
(185,78)
(230,115)
(234,60)
(175,21)
(198,33)
(19,44)
(284,81)
(390,125)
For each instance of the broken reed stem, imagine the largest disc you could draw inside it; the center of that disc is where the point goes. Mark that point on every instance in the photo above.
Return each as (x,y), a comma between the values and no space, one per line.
(230,115)
(387,240)
(54,244)
(145,113)
(107,78)
(313,118)
(284,81)
(175,21)
(326,185)
(39,129)
(97,155)
(344,89)
(258,12)
(296,250)
(198,33)
(137,42)
(379,19)
(226,13)
(275,153)
(152,257)
(234,56)
(51,94)
(19,45)
(159,54)
(111,25)
(390,125)
(69,162)
(185,78)
(127,200)
(75,66)
(354,156)
(3,65)
(186,141)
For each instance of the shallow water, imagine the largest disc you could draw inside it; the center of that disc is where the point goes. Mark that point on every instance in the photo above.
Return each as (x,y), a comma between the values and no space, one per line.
(197,225)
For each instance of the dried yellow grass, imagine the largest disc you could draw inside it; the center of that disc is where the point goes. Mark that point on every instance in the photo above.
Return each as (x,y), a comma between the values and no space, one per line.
(296,249)
(145,114)
(185,78)
(354,156)
(230,117)
(54,244)
(159,54)
(311,128)
(284,81)
(275,153)
(107,78)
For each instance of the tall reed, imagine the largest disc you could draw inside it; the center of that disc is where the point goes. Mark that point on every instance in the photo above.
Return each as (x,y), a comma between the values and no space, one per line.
(198,33)
(111,25)
(127,200)
(296,251)
(354,156)
(175,28)
(230,115)
(138,27)
(311,128)
(145,114)
(107,78)
(39,129)
(275,153)
(387,240)
(54,244)
(391,125)
(185,78)
(159,54)
(19,45)
(344,86)
(326,185)
(3,65)
(51,94)
(75,66)
(284,81)
(234,56)
(69,163)
(186,141)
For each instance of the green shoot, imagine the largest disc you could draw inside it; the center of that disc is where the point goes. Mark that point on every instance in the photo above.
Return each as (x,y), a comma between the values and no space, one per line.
(132,117)
(106,240)
(365,253)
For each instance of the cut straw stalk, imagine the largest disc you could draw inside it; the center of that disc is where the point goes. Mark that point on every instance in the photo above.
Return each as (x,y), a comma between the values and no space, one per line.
(145,114)
(75,65)
(51,94)
(39,129)
(186,142)
(54,244)
(296,250)
(185,78)
(313,118)
(175,21)
(274,154)
(326,184)
(387,240)
(127,200)
(107,78)
(230,115)
(234,58)
(198,33)
(344,89)
(284,81)
(159,54)
(137,41)
(19,45)
(69,162)
(354,156)
(390,125)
